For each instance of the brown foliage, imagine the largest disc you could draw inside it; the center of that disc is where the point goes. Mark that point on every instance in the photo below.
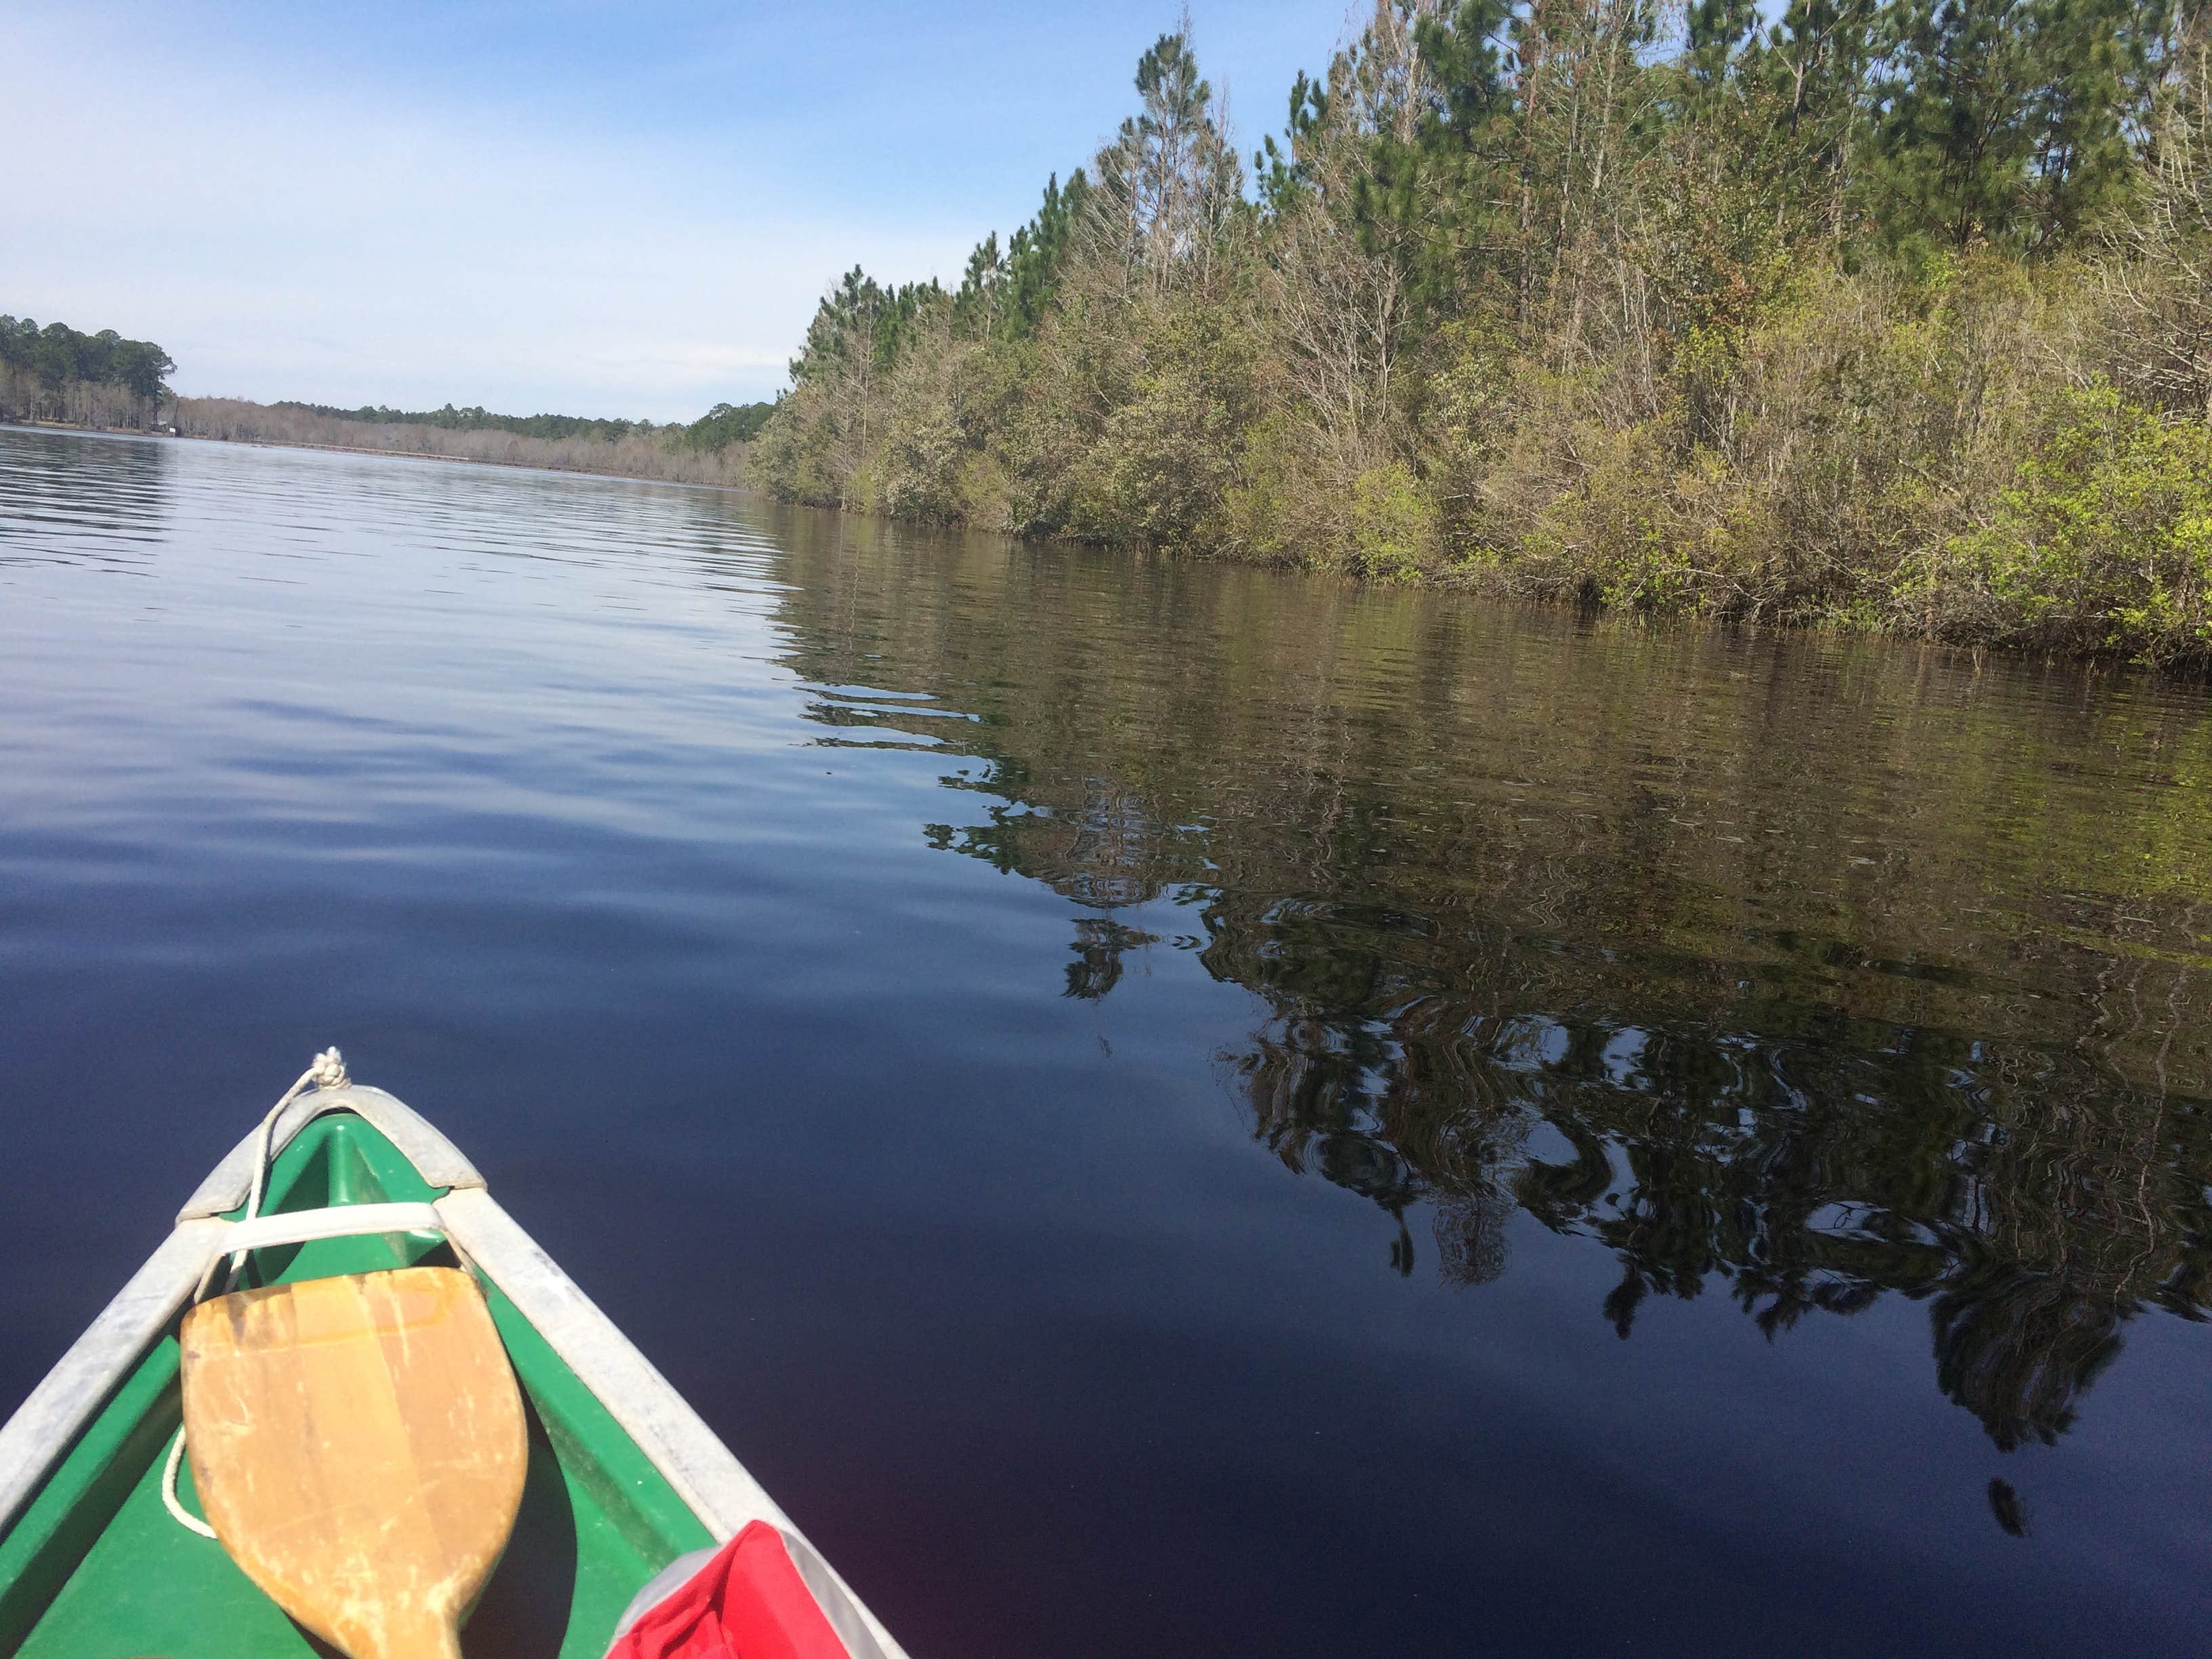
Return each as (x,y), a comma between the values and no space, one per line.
(636,455)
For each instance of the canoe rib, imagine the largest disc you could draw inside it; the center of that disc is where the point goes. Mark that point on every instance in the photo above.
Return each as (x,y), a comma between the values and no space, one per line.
(697,1466)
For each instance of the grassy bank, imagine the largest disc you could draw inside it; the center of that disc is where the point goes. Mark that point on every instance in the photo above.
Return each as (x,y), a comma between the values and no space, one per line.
(1890,316)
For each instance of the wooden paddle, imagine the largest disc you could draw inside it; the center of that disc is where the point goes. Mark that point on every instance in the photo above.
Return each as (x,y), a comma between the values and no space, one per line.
(359,1448)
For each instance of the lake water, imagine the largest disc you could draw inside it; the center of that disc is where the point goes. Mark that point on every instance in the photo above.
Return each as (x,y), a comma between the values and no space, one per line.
(1164,1109)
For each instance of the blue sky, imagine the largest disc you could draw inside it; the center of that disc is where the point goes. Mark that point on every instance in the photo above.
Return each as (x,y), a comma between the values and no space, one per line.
(593,208)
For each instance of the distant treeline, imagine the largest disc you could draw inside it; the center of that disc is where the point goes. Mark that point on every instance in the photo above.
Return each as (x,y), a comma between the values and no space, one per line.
(636,449)
(478,419)
(1893,315)
(725,423)
(56,374)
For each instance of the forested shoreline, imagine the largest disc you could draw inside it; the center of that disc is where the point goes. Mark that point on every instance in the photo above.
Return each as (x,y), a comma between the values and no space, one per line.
(58,373)
(708,451)
(1888,314)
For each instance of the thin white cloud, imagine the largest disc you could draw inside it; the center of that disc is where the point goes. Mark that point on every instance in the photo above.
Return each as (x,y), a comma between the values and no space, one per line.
(345,249)
(624,209)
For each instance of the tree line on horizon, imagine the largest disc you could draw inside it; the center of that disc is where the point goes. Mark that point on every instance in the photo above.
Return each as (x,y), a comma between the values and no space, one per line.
(675,454)
(1886,313)
(724,424)
(56,374)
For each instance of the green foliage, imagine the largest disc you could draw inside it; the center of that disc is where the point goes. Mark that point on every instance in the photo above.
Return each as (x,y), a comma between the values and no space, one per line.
(2007,120)
(712,432)
(793,456)
(478,419)
(2105,538)
(57,353)
(1005,294)
(1039,250)
(1395,523)
(979,304)
(1952,132)
(1163,456)
(1786,318)
(726,424)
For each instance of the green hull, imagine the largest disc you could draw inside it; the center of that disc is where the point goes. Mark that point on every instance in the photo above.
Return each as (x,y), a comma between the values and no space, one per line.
(93,1566)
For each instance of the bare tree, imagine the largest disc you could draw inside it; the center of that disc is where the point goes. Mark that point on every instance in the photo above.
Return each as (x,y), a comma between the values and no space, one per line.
(2160,283)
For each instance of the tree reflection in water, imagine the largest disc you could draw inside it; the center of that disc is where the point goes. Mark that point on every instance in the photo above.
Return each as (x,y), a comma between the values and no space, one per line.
(1817,972)
(2033,1214)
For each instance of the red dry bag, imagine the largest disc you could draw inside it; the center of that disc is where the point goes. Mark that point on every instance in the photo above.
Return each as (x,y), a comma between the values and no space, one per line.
(749,1602)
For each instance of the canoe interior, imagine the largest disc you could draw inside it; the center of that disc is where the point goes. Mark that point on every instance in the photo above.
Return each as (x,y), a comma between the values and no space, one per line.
(95,1566)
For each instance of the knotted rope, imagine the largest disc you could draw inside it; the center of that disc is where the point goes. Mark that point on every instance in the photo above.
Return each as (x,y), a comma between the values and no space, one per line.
(328,1072)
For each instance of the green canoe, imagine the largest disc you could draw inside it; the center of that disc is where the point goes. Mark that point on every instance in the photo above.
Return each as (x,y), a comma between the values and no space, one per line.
(624,1476)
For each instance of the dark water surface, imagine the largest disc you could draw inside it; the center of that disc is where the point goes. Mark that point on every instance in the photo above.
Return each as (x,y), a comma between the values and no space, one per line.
(1166,1110)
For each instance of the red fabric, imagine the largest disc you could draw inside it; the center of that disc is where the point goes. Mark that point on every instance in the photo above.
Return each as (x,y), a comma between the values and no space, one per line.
(749,1602)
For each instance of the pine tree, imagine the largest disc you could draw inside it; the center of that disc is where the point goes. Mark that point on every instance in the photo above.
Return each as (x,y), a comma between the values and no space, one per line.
(1036,254)
(1954,131)
(979,303)
(1169,182)
(2091,73)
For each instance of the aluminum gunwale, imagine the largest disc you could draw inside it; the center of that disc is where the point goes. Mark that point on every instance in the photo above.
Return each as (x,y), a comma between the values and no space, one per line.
(703,1472)
(436,1159)
(45,1425)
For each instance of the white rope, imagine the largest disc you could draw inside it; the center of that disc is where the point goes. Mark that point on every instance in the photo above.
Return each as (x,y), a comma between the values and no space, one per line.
(185,1517)
(328,1072)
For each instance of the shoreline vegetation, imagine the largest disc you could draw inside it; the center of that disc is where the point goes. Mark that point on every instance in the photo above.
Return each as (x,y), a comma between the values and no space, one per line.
(708,450)
(1890,315)
(588,465)
(56,376)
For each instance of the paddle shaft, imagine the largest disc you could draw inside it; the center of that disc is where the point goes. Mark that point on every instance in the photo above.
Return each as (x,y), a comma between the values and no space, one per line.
(401,1638)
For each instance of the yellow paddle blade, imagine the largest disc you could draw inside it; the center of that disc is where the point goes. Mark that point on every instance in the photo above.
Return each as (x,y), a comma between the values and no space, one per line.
(359,1448)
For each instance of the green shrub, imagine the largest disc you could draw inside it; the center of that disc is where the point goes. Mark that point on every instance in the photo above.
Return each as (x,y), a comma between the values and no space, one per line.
(2105,540)
(1394,524)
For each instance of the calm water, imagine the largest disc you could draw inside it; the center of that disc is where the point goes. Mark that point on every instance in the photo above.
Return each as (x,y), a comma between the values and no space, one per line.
(1166,1110)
